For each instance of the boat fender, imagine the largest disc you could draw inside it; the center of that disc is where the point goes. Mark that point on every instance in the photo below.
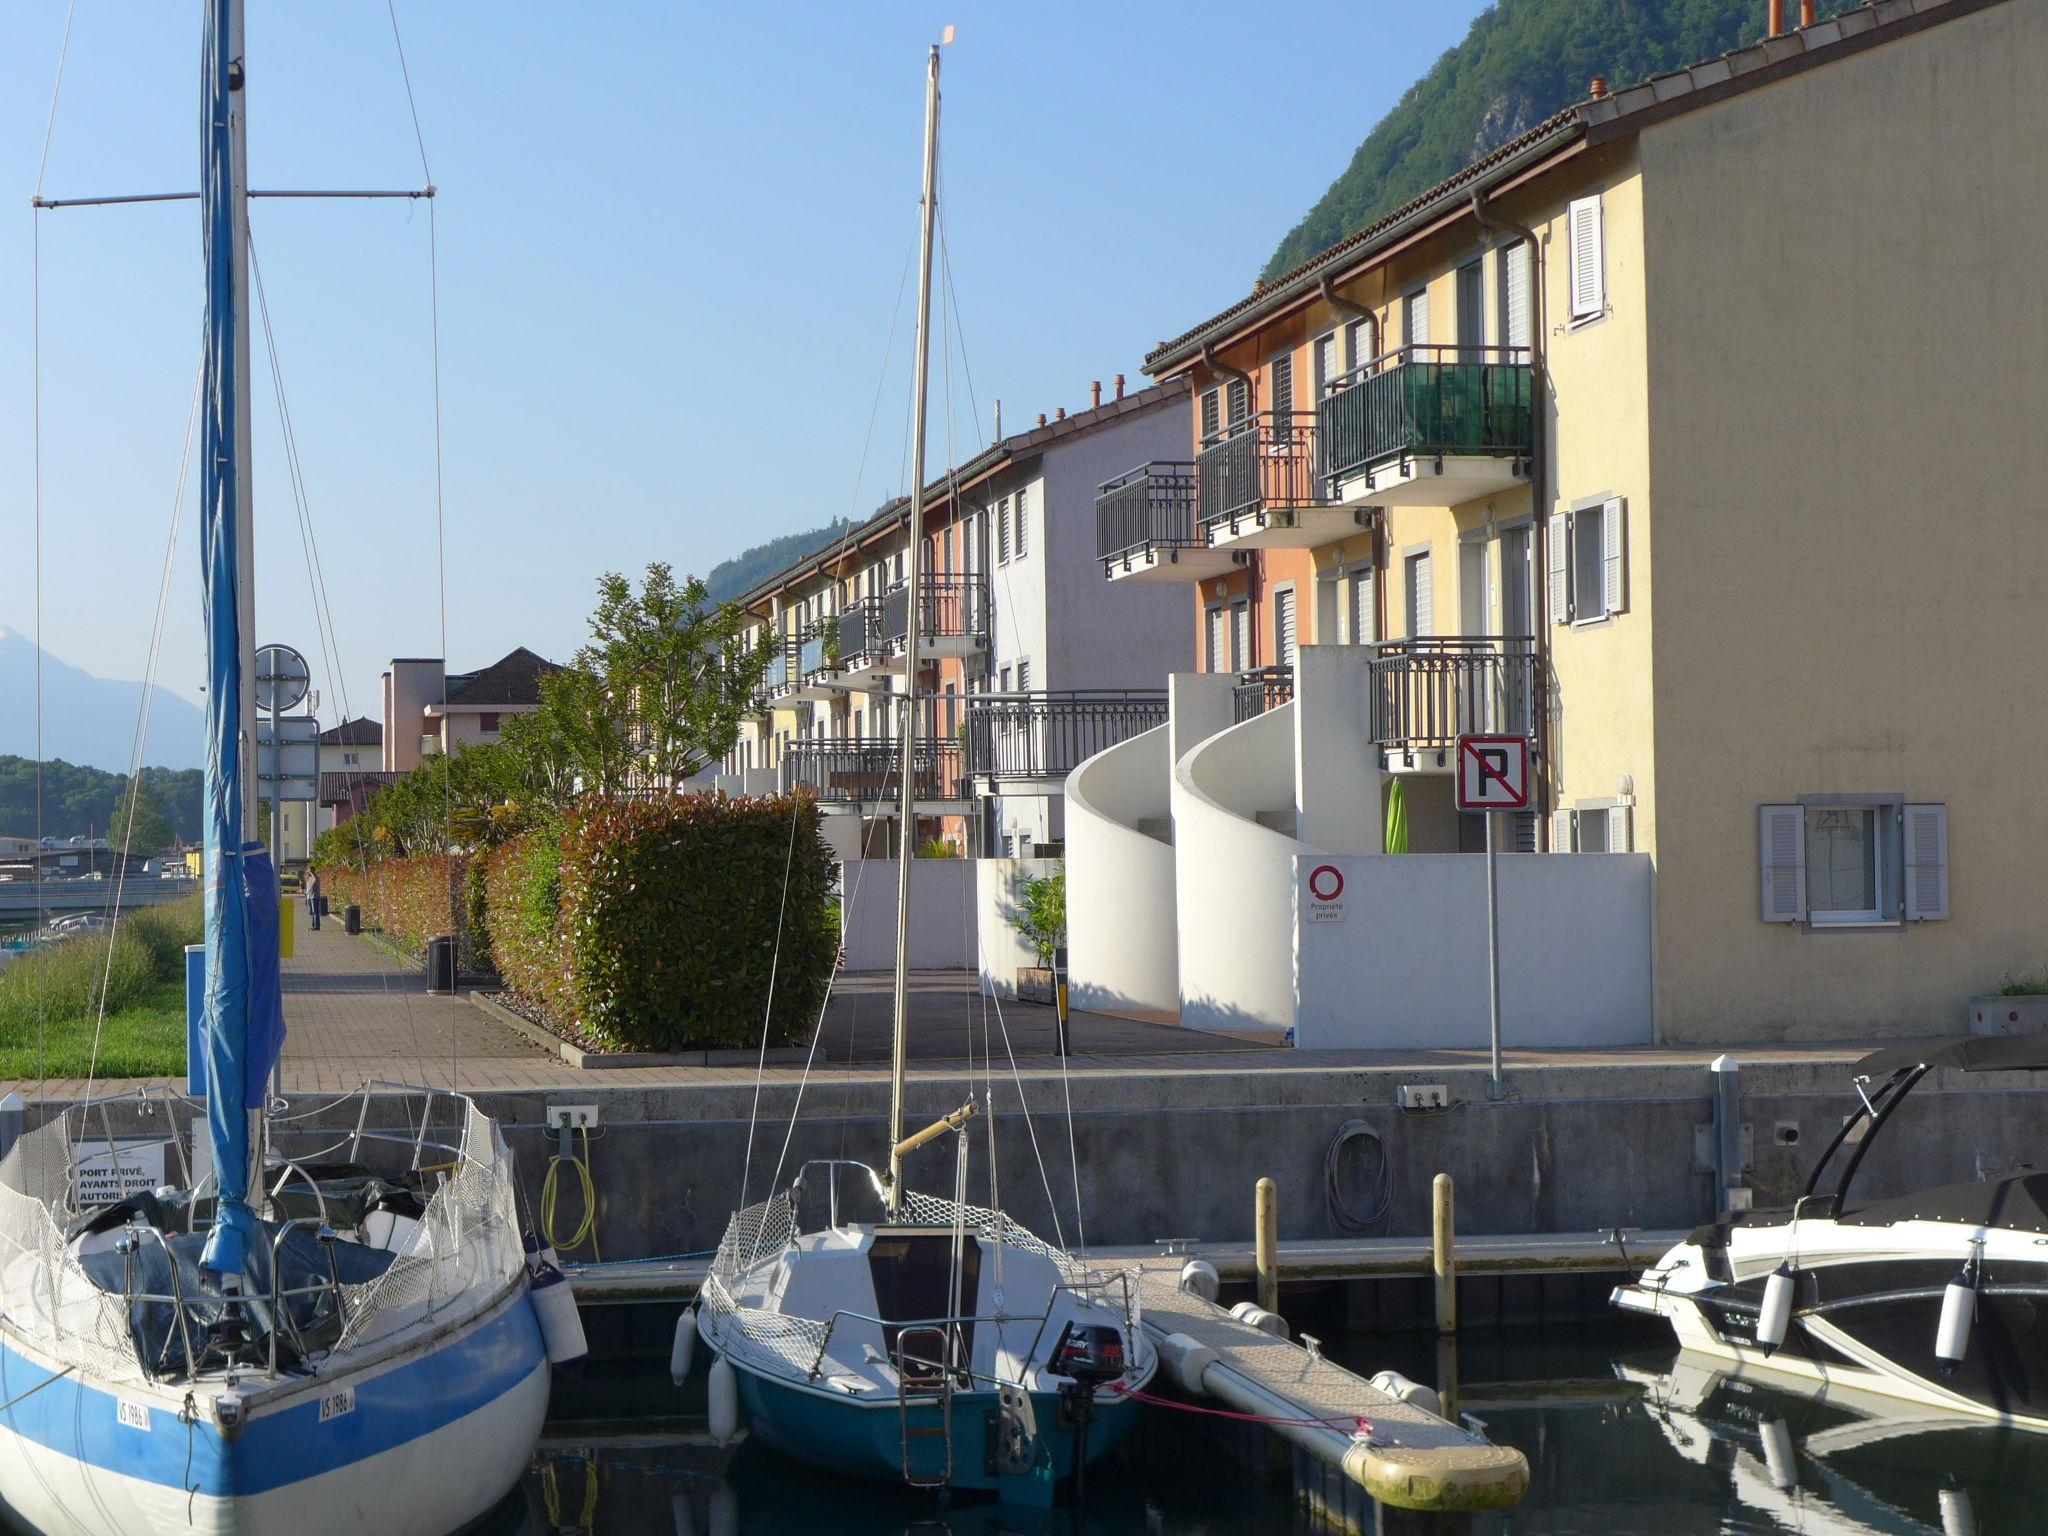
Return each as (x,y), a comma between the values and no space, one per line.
(1413,1393)
(725,1510)
(1780,1461)
(1198,1278)
(681,1515)
(1186,1360)
(561,1328)
(684,1347)
(1016,1431)
(1775,1316)
(1957,1517)
(724,1404)
(1958,1311)
(1253,1315)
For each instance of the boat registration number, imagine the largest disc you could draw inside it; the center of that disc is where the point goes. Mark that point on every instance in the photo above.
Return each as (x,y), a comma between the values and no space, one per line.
(134,1415)
(335,1404)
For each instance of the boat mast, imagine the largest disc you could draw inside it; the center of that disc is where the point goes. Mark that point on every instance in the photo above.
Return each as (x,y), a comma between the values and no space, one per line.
(907,809)
(245,522)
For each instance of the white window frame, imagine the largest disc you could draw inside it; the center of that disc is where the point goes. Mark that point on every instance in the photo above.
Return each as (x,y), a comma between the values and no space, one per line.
(1562,553)
(1410,588)
(1620,825)
(1586,243)
(1911,857)
(1284,655)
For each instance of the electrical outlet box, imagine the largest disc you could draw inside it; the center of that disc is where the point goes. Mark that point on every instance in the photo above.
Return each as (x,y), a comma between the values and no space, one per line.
(1422,1096)
(573,1116)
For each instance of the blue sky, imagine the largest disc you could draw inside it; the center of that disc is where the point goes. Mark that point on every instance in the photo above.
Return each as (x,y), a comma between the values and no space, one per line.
(671,240)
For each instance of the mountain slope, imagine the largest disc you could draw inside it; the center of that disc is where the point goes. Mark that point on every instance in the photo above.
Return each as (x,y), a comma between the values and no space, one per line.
(89,719)
(750,567)
(80,802)
(1522,61)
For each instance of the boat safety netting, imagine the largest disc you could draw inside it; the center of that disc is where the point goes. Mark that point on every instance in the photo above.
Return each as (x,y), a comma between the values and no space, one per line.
(110,1286)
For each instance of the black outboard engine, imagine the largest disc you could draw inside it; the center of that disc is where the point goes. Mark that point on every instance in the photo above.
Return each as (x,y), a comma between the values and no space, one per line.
(1089,1355)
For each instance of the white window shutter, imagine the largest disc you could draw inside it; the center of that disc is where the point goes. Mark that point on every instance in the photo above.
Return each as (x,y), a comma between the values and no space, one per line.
(1522,827)
(1926,863)
(1621,829)
(1560,553)
(1564,832)
(1516,276)
(1589,285)
(1781,863)
(1614,547)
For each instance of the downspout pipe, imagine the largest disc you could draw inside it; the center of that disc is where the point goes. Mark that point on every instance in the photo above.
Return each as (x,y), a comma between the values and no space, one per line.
(1539,504)
(1216,364)
(1380,553)
(1252,586)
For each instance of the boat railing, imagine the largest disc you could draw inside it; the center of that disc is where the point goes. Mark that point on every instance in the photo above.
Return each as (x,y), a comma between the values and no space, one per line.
(280,1294)
(1092,1291)
(947,1326)
(126,1245)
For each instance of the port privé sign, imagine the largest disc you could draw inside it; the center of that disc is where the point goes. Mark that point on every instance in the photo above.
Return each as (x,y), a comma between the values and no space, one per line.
(1493,773)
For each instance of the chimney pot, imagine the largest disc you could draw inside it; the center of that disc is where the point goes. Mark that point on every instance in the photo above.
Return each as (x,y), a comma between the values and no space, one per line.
(1060,414)
(1094,393)
(1805,13)
(1598,88)
(1041,418)
(1774,22)
(1119,386)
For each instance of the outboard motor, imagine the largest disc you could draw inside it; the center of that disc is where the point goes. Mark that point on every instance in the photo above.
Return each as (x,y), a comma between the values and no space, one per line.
(1089,1355)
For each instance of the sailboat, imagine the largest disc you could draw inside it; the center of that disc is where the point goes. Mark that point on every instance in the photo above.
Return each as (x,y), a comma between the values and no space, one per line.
(315,1330)
(936,1343)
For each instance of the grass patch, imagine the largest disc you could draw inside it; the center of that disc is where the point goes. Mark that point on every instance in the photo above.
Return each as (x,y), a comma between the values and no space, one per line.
(144,1039)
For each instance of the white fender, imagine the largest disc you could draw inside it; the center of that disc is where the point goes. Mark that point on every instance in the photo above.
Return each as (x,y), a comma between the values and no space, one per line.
(1957,1517)
(724,1407)
(1958,1311)
(561,1327)
(1413,1393)
(1198,1278)
(1780,1461)
(681,1515)
(725,1510)
(1253,1315)
(1185,1360)
(1776,1314)
(684,1348)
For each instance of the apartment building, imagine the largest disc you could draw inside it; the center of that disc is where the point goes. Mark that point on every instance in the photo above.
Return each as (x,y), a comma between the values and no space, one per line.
(1028,665)
(428,709)
(1664,435)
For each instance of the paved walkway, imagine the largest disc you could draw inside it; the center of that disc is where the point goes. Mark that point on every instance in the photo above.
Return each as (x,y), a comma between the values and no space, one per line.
(355,1013)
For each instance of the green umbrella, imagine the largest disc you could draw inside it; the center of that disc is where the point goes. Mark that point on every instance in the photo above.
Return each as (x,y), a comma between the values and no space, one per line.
(1397,817)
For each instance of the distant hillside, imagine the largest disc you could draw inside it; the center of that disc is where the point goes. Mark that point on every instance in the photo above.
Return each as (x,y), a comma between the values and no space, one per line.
(79,802)
(89,719)
(749,568)
(1522,61)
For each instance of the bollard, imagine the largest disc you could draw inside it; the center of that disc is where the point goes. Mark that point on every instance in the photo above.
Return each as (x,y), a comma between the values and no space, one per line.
(1267,1227)
(195,1020)
(1444,1257)
(1447,1375)
(1062,1043)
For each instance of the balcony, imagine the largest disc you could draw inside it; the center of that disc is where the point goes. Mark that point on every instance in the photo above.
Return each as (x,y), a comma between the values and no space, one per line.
(777,677)
(1428,692)
(1146,528)
(952,620)
(1260,690)
(1256,487)
(1027,743)
(864,774)
(864,657)
(1429,426)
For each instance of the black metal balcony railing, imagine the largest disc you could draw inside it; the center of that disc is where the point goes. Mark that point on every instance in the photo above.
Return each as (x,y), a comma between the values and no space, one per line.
(951,607)
(1428,692)
(1261,463)
(869,769)
(1260,690)
(1423,402)
(1153,504)
(1015,736)
(860,629)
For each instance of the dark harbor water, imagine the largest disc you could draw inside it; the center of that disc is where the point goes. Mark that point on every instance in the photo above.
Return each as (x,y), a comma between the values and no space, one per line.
(1623,1437)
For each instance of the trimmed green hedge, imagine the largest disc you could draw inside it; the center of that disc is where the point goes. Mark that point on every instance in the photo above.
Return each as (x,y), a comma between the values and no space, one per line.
(522,911)
(411,900)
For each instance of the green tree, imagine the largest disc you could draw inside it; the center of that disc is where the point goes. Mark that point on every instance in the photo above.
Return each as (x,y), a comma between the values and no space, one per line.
(137,823)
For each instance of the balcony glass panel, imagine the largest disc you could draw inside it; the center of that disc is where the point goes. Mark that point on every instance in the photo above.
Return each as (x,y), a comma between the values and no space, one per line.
(1425,401)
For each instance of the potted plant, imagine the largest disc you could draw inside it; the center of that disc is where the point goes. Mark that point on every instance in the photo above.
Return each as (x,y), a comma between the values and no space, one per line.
(1041,917)
(2018,1007)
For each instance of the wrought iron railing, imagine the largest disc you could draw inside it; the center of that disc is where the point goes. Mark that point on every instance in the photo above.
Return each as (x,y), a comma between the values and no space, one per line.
(1013,736)
(1262,462)
(1260,690)
(860,630)
(1428,692)
(1423,401)
(1152,505)
(950,607)
(869,769)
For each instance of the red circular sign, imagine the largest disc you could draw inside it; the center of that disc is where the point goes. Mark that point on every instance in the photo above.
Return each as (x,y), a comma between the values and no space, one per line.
(1326,882)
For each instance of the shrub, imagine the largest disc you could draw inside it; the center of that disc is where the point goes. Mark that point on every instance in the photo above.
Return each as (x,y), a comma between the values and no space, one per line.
(1042,915)
(938,848)
(674,914)
(165,931)
(66,981)
(522,911)
(410,899)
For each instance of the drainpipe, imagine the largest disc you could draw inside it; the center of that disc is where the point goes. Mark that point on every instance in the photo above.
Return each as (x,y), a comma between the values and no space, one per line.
(1253,587)
(1539,506)
(1216,364)
(1370,316)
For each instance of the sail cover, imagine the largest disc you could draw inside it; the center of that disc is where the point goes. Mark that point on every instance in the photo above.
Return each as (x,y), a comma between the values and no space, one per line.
(244,1013)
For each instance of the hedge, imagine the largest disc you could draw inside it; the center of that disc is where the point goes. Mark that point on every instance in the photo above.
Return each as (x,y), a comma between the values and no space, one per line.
(409,899)
(522,911)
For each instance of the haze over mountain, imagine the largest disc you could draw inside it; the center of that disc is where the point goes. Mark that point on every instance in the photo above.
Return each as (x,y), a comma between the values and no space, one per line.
(87,719)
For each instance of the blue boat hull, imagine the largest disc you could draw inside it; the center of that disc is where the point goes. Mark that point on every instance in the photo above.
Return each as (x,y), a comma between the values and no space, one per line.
(865,1438)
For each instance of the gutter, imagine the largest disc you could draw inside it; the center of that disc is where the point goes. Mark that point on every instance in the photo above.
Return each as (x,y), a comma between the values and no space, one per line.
(1540,502)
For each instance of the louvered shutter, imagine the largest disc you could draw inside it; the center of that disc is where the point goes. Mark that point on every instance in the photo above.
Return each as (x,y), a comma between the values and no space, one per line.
(1926,863)
(1614,553)
(1240,400)
(1564,832)
(1212,413)
(1364,342)
(1283,627)
(1326,365)
(1241,637)
(1560,556)
(1517,330)
(1216,661)
(1589,285)
(1522,832)
(1283,389)
(1416,320)
(1003,530)
(1621,829)
(1421,598)
(1781,863)
(1022,537)
(1364,614)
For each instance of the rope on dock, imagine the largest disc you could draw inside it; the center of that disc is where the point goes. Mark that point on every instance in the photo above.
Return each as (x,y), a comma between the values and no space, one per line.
(1348,1423)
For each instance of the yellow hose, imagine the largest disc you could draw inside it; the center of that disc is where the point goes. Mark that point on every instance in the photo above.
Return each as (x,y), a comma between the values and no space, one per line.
(586,1229)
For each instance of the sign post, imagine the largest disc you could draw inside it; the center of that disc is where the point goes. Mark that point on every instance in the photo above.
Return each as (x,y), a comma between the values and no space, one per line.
(1493,776)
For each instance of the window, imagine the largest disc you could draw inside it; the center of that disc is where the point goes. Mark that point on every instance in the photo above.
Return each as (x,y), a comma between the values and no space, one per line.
(1589,275)
(1420,594)
(487,722)
(1834,861)
(1283,626)
(1364,614)
(1415,319)
(1240,400)
(1588,561)
(1240,637)
(1003,531)
(949,548)
(1006,680)
(1212,413)
(1023,520)
(1283,388)
(1594,826)
(1472,311)
(1024,676)
(348,759)
(1511,284)
(1365,342)
(1216,641)
(1328,362)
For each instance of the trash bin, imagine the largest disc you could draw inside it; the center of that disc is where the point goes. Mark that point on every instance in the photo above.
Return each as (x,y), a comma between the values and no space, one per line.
(321,903)
(351,918)
(441,963)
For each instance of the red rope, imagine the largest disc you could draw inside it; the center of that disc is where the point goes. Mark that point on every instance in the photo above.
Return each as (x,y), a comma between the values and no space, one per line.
(1346,1423)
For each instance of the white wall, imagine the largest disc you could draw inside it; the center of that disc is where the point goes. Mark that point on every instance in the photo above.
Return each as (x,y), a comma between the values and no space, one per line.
(1403,962)
(1122,954)
(1234,878)
(942,914)
(1336,769)
(999,892)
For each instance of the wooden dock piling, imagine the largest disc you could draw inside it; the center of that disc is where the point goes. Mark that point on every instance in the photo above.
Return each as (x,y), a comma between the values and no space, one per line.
(1444,1256)
(1267,1236)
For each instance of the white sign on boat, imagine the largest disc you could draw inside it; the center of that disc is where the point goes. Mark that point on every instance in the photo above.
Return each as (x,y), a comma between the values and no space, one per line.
(141,1168)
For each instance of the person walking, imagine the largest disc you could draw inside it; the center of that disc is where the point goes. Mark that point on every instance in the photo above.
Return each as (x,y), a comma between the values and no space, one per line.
(313,899)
